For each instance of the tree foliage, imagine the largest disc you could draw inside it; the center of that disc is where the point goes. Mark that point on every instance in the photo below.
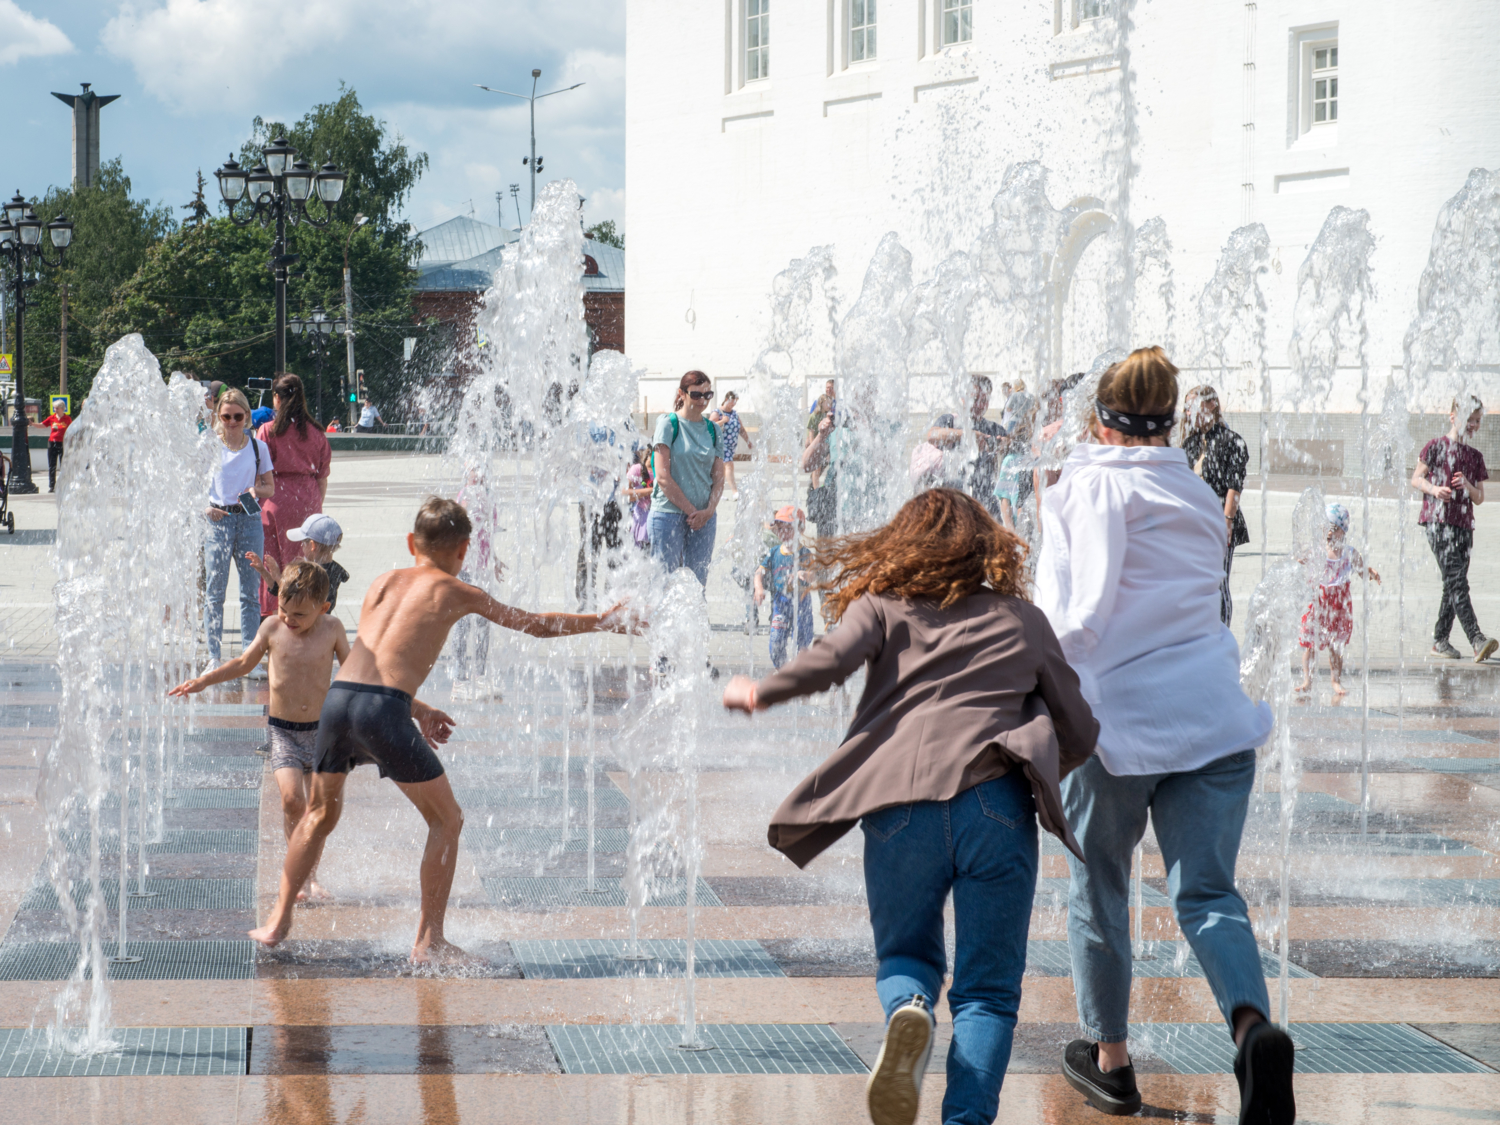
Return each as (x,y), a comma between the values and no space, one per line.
(112,235)
(607,233)
(202,293)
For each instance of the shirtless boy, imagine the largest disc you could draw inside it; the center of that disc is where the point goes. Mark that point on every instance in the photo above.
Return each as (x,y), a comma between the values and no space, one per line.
(305,641)
(370,714)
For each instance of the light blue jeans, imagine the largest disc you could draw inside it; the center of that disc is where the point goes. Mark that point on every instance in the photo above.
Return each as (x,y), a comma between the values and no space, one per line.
(674,544)
(1198,817)
(228,540)
(982,846)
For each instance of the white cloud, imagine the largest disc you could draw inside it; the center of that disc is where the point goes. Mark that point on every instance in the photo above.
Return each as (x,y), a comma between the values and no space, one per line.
(23,34)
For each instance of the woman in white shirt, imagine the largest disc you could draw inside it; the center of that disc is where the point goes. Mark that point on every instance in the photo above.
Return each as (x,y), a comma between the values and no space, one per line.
(243,479)
(1129,574)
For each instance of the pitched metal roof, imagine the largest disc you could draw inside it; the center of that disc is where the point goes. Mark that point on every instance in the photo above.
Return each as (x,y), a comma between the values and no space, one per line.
(477,274)
(459,239)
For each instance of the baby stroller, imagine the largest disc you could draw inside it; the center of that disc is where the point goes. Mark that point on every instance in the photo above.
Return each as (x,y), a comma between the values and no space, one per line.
(7,517)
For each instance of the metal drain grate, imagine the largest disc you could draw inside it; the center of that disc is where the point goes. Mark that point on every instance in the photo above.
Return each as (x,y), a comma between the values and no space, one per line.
(248,798)
(551,893)
(1401,736)
(605,797)
(1457,765)
(171,894)
(607,841)
(1053,894)
(592,959)
(1322,1048)
(160,960)
(208,763)
(204,709)
(1440,892)
(177,1051)
(177,841)
(1268,805)
(256,735)
(748,1048)
(1163,959)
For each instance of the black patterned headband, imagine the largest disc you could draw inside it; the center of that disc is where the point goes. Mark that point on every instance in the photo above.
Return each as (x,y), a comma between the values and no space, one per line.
(1136,425)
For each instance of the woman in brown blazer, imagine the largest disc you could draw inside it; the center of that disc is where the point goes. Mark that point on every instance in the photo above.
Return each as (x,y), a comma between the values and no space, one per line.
(969,718)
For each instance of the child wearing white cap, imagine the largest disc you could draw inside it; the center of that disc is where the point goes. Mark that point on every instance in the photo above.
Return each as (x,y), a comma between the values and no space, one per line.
(320,536)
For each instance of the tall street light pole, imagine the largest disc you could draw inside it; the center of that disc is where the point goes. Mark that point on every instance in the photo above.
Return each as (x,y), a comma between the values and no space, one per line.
(359,221)
(277,191)
(532,162)
(20,243)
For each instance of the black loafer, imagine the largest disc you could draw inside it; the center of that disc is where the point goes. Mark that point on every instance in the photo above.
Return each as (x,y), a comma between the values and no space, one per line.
(1263,1068)
(1113,1093)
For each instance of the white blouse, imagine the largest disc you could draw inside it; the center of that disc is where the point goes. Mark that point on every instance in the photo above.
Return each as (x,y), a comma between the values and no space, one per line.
(237,472)
(1129,572)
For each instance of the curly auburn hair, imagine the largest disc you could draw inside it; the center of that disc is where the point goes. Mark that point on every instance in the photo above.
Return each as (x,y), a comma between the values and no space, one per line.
(942,544)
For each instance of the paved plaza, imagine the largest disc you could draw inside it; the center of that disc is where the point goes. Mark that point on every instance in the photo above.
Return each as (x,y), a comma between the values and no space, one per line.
(1394,933)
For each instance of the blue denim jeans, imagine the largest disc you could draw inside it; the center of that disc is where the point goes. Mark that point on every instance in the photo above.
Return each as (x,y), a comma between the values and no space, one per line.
(1198,817)
(981,845)
(674,544)
(228,540)
(786,630)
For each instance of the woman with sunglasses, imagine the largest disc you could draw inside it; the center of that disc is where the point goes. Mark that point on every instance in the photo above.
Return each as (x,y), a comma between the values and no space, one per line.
(243,479)
(689,453)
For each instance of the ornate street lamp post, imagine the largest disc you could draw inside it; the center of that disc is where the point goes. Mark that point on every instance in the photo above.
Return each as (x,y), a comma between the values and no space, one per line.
(277,191)
(21,246)
(319,330)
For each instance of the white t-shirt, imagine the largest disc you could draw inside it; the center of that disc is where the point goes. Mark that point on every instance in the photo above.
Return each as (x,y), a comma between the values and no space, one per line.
(367,416)
(1129,573)
(237,473)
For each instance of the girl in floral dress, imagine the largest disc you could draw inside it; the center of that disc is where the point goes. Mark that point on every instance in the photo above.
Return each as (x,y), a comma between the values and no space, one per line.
(1329,620)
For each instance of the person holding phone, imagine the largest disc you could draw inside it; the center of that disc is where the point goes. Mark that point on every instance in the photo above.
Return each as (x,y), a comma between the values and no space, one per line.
(243,479)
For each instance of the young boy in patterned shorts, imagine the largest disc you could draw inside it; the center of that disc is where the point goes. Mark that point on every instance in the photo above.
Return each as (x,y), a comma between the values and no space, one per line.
(303,640)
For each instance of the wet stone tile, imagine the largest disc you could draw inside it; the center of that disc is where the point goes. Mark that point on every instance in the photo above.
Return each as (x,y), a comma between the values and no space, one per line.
(788,890)
(1477,1040)
(447,1049)
(823,957)
(346,960)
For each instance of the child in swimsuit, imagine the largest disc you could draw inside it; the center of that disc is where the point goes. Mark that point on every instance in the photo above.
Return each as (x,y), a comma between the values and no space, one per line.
(303,640)
(370,715)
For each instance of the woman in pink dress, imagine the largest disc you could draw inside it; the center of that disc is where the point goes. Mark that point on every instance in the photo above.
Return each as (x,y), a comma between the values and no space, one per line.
(300,456)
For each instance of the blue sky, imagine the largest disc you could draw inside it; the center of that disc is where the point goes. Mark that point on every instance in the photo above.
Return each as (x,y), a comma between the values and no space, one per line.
(193,73)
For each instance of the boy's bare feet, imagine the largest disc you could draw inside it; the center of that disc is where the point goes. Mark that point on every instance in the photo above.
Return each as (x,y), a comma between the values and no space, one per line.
(1305,685)
(442,952)
(314,892)
(269,936)
(1339,689)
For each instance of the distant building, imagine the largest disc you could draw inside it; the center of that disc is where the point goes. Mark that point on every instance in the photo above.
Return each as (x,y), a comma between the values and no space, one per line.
(458,263)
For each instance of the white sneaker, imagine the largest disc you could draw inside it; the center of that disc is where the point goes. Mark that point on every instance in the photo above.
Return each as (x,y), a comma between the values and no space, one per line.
(257,673)
(894,1090)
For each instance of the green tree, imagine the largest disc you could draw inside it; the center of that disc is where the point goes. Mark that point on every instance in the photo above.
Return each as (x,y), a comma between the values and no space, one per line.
(606,233)
(112,234)
(204,298)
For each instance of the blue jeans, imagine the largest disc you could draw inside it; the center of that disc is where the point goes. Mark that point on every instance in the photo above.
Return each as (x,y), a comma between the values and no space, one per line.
(674,544)
(1198,817)
(228,540)
(982,845)
(784,630)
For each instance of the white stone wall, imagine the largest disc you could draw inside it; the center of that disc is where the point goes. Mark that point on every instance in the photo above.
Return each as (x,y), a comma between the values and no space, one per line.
(729,181)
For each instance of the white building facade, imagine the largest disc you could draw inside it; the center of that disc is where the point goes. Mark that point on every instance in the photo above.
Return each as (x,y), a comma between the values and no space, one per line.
(758,130)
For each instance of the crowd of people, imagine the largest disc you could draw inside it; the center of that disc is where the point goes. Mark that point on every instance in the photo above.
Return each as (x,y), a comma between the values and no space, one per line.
(1045,644)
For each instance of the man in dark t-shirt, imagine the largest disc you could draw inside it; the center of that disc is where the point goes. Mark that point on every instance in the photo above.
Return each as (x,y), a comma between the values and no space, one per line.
(1450,474)
(947,433)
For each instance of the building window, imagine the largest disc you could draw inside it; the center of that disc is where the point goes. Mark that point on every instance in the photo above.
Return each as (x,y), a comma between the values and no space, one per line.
(1088,10)
(1325,84)
(861,30)
(757,40)
(958,21)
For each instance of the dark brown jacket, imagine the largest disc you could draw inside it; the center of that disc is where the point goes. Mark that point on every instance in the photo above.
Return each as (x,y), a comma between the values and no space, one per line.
(953,698)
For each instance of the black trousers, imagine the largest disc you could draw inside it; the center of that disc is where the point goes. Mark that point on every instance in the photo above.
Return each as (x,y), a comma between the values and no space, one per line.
(1226,599)
(54,462)
(604,534)
(1451,547)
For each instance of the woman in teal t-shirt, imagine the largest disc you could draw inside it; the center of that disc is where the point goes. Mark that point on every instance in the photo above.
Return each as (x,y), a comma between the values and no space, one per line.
(689,480)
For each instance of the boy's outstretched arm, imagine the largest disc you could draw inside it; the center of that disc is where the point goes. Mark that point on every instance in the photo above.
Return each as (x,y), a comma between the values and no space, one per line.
(231,669)
(613,620)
